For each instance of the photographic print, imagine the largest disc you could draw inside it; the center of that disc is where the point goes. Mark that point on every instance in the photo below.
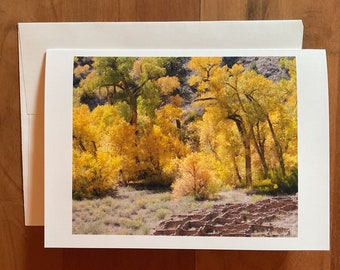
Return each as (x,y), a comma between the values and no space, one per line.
(185,146)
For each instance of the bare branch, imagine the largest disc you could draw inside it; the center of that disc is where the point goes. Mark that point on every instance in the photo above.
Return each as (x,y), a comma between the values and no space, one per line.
(205,99)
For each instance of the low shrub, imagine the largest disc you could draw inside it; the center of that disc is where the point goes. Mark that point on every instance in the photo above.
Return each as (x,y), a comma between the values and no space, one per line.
(94,176)
(266,186)
(197,177)
(278,185)
(289,184)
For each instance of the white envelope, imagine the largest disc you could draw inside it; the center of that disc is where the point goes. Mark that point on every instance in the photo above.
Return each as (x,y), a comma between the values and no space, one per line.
(36,38)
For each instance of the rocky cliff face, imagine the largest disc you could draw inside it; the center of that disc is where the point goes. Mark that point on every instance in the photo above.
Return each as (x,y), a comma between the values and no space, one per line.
(269,67)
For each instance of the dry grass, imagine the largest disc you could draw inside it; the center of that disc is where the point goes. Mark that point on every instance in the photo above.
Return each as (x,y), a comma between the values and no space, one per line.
(138,212)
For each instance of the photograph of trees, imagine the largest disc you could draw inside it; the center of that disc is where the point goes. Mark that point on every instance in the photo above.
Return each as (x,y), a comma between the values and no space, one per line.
(202,146)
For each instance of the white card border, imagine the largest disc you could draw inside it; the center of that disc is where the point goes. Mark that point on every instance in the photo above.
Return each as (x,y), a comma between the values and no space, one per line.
(313,140)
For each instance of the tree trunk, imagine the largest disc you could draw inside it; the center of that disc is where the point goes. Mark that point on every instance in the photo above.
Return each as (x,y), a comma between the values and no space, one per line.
(259,146)
(278,148)
(249,181)
(133,109)
(239,178)
(246,144)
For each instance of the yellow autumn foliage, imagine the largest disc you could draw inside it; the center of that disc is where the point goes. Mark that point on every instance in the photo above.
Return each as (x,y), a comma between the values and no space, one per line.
(235,127)
(197,177)
(96,168)
(94,176)
(167,84)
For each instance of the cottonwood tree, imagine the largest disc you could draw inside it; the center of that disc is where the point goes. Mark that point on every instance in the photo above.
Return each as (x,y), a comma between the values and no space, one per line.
(260,109)
(143,133)
(130,80)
